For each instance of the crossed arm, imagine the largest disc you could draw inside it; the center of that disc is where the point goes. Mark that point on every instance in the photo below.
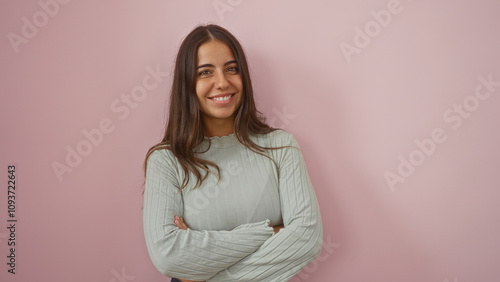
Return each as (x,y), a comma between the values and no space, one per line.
(179,222)
(251,252)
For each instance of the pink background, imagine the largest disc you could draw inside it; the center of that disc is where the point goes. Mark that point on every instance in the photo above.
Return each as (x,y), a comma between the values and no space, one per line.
(353,114)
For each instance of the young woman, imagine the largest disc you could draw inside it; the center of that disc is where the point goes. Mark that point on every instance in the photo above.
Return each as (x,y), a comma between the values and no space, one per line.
(227,197)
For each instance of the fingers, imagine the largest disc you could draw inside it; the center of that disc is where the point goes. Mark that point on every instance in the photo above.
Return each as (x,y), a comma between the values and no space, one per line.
(179,222)
(277,228)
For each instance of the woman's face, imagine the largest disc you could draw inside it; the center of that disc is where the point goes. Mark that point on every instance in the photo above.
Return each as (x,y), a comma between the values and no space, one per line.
(219,85)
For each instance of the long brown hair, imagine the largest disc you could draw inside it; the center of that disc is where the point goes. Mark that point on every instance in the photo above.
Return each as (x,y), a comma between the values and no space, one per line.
(185,130)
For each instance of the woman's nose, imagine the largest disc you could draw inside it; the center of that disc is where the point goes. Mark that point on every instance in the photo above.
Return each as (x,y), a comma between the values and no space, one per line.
(221,81)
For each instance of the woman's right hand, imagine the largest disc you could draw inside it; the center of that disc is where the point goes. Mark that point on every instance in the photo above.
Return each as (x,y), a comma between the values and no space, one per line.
(277,228)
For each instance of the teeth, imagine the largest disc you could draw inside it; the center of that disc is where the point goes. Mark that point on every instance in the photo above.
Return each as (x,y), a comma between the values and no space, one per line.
(222,98)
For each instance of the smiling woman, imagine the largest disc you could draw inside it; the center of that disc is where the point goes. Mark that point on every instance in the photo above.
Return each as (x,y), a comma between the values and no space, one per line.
(218,86)
(262,220)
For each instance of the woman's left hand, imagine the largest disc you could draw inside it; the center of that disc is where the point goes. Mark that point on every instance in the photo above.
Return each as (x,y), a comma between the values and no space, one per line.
(180,223)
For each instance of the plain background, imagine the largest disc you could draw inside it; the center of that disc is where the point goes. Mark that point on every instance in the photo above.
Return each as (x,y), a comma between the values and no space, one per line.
(355,116)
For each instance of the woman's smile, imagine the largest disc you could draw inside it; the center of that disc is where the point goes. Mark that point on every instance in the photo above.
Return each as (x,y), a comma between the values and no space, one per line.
(223,99)
(219,86)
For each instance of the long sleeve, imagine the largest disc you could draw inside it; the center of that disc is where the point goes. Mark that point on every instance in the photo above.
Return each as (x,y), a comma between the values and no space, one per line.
(299,242)
(189,254)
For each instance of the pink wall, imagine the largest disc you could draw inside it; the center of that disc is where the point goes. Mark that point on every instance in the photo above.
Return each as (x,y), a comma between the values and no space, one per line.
(359,87)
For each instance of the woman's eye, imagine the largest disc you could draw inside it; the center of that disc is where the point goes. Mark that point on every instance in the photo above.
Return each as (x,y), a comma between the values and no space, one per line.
(232,69)
(204,73)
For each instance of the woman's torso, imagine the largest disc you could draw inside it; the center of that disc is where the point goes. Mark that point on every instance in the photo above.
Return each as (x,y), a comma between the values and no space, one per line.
(247,192)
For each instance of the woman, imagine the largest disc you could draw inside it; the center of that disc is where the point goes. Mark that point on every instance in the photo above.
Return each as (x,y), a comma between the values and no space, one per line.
(227,197)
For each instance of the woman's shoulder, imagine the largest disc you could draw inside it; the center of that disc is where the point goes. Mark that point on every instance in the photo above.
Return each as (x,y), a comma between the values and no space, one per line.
(277,138)
(162,155)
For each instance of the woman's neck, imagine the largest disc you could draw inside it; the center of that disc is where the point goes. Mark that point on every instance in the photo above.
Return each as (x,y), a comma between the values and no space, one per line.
(219,127)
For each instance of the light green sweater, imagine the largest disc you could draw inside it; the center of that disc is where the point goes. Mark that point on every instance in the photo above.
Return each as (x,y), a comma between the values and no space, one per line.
(229,236)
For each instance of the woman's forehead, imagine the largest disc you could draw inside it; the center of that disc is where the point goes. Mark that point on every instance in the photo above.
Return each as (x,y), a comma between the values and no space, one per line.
(214,52)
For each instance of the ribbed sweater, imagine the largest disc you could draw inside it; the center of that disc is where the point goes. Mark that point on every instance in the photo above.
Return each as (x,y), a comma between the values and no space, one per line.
(229,236)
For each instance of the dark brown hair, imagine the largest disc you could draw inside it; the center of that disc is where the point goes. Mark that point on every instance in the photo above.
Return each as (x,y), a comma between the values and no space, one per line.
(185,130)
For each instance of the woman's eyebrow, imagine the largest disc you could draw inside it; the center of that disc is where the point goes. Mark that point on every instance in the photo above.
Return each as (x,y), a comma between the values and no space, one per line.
(210,65)
(230,62)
